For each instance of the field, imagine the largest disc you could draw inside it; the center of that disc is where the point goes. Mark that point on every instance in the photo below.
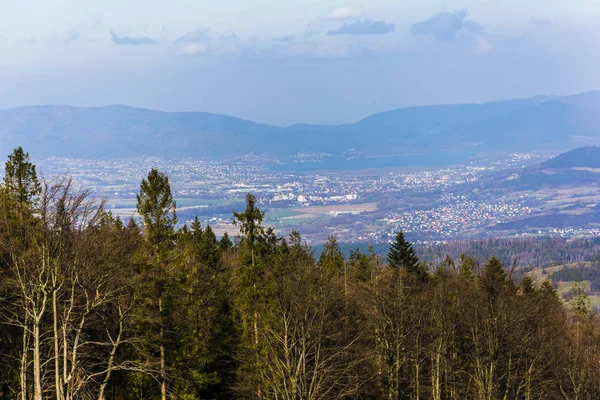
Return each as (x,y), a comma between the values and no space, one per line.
(335,209)
(564,287)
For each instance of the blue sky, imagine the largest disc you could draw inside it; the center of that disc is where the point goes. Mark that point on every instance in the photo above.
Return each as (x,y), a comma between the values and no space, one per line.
(294,61)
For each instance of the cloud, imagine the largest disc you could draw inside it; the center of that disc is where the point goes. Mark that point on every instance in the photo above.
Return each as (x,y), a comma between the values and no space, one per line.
(310,49)
(200,42)
(345,13)
(228,45)
(482,46)
(65,38)
(365,27)
(295,49)
(133,41)
(447,27)
(308,32)
(195,49)
(194,36)
(286,38)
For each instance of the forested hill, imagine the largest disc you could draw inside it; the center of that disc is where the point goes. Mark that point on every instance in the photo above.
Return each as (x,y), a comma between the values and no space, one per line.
(554,123)
(584,157)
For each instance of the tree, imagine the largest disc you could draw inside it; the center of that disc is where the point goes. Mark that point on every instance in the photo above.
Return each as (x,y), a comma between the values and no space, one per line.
(249,284)
(581,304)
(402,254)
(304,353)
(332,259)
(65,287)
(250,223)
(20,179)
(156,206)
(158,209)
(493,278)
(466,266)
(527,285)
(225,243)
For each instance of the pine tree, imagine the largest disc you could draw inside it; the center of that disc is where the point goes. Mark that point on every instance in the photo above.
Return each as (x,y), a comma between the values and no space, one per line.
(210,252)
(580,304)
(493,278)
(156,206)
(527,285)
(225,243)
(250,223)
(250,220)
(196,227)
(402,254)
(466,266)
(20,180)
(332,259)
(249,290)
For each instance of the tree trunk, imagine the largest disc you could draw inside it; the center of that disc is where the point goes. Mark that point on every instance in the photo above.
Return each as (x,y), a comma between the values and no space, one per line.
(435,373)
(57,371)
(163,367)
(37,367)
(23,366)
(255,316)
(111,358)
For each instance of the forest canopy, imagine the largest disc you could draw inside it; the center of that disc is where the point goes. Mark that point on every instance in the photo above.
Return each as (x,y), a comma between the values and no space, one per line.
(93,307)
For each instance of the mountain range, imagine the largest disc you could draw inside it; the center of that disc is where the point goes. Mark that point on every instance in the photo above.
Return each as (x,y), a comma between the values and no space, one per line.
(539,123)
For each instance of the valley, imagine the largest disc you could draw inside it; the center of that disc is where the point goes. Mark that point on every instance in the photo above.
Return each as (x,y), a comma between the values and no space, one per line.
(505,195)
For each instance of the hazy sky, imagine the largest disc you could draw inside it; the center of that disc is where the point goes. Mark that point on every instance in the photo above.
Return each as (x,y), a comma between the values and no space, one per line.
(288,61)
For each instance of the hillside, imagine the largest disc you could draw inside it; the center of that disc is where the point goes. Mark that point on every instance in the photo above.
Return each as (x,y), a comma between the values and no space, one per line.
(583,157)
(539,123)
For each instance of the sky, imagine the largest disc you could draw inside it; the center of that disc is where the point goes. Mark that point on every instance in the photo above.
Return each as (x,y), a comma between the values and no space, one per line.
(291,61)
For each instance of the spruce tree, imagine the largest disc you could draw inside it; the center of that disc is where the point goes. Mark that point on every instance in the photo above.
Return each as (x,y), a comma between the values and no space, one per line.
(250,223)
(493,279)
(466,266)
(527,285)
(332,259)
(158,209)
(225,243)
(156,206)
(402,254)
(20,179)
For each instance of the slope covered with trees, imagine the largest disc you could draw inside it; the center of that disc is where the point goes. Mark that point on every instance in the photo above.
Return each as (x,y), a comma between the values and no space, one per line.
(95,308)
(583,157)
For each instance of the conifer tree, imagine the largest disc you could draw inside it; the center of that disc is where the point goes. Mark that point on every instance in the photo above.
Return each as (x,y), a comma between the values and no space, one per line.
(466,266)
(196,227)
(225,243)
(493,278)
(402,254)
(581,304)
(20,180)
(527,285)
(156,206)
(249,283)
(250,223)
(332,259)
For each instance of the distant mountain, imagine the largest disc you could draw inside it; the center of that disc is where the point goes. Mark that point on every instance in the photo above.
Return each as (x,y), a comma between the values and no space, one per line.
(583,157)
(539,123)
